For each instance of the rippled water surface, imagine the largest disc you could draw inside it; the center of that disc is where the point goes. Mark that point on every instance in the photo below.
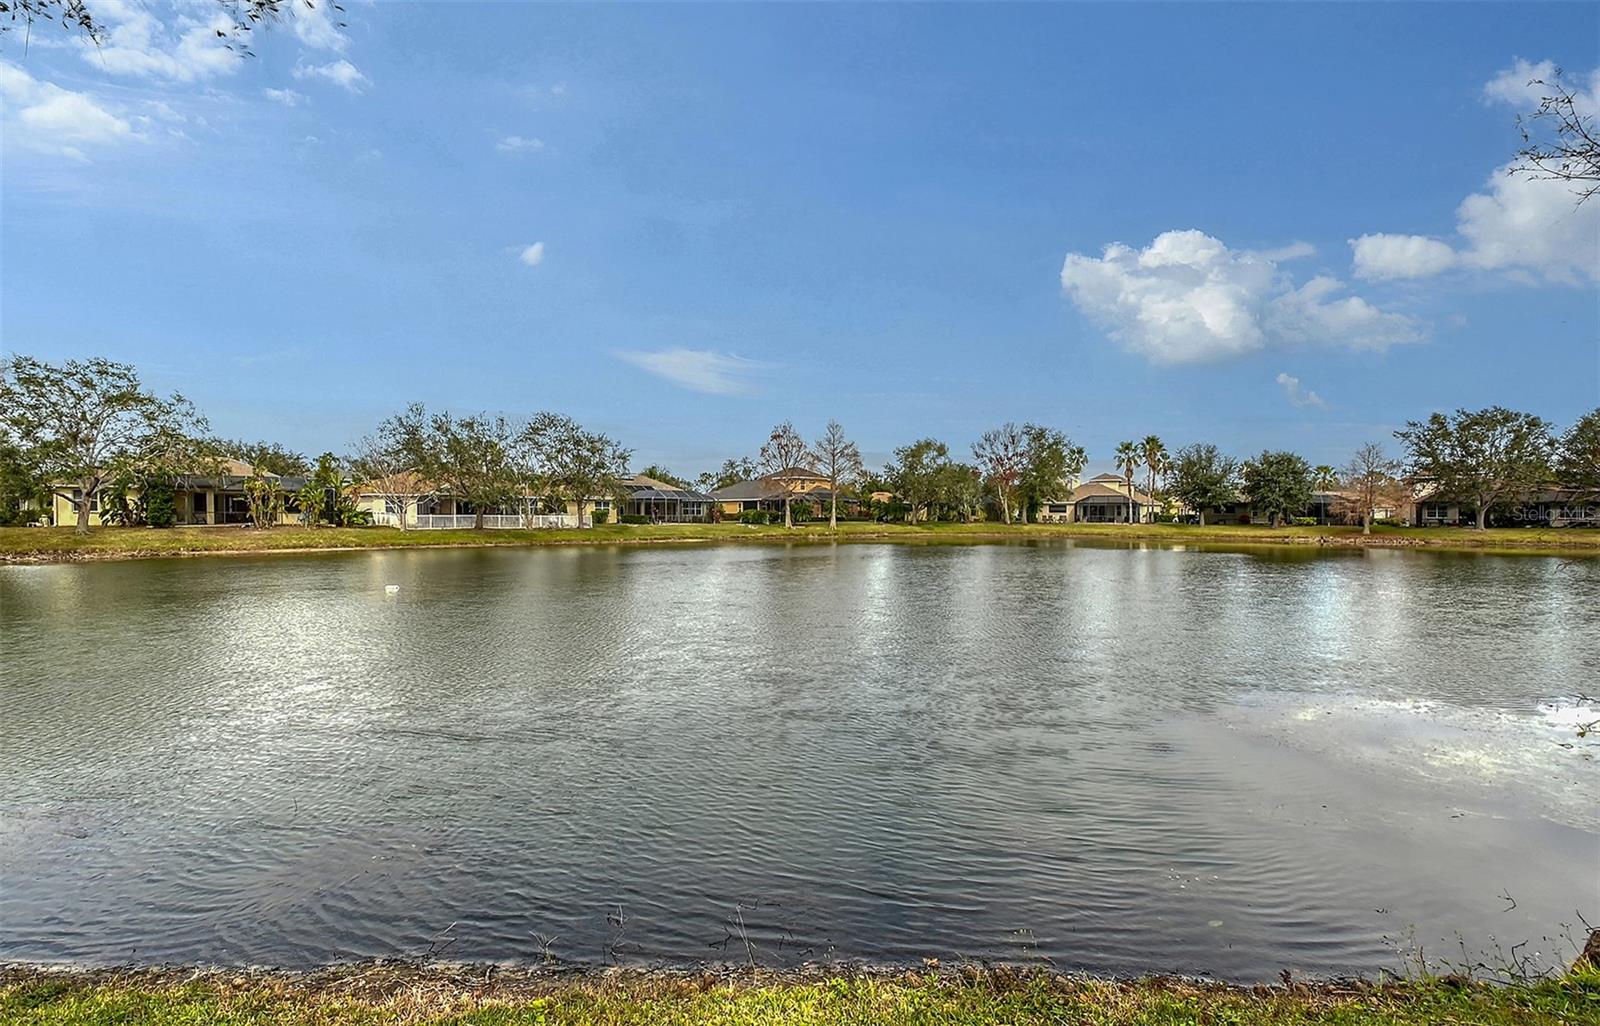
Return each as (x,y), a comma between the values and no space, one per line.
(1116,759)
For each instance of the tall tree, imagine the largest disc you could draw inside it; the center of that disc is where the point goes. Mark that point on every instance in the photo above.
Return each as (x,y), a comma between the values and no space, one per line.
(1370,476)
(1154,453)
(1203,478)
(1483,457)
(1278,484)
(840,459)
(87,421)
(1053,463)
(958,488)
(1324,479)
(471,458)
(916,474)
(785,450)
(572,464)
(1127,458)
(1578,464)
(1002,458)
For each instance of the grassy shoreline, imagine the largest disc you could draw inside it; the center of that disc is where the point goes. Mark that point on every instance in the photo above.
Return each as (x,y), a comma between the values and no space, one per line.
(64,545)
(459,994)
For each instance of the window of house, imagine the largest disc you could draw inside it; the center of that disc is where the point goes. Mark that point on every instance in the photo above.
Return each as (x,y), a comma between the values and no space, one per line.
(1058,507)
(199,502)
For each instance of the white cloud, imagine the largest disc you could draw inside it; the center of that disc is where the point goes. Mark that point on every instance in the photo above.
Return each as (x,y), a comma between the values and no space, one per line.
(1400,256)
(1187,297)
(699,370)
(1531,228)
(44,117)
(1531,224)
(1284,254)
(1518,225)
(314,26)
(1519,86)
(1297,396)
(532,255)
(139,43)
(340,72)
(287,97)
(519,144)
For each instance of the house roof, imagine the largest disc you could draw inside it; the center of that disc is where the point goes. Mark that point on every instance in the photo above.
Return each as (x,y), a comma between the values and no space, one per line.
(744,491)
(1107,486)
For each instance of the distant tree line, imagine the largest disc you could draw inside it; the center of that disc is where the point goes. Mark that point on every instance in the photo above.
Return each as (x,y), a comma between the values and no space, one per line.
(89,430)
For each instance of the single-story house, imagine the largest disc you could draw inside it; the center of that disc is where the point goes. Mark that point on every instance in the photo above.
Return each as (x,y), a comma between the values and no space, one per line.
(199,499)
(1105,499)
(665,503)
(800,484)
(427,506)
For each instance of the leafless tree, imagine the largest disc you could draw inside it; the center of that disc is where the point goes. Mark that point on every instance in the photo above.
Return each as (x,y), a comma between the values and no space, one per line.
(1002,457)
(785,450)
(840,459)
(1370,477)
(384,463)
(1560,140)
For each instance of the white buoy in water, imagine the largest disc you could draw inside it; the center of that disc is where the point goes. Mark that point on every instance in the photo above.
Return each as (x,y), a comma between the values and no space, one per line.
(392,589)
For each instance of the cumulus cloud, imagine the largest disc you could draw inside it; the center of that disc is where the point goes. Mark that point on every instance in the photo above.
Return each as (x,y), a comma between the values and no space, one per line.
(1530,227)
(532,255)
(340,73)
(1295,394)
(1400,256)
(44,117)
(287,97)
(699,370)
(518,144)
(1188,297)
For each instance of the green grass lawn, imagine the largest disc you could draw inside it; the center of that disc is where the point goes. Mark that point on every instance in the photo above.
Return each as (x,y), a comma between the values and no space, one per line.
(53,544)
(472,995)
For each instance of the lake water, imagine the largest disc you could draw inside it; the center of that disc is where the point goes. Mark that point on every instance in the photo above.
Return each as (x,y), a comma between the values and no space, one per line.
(1115,759)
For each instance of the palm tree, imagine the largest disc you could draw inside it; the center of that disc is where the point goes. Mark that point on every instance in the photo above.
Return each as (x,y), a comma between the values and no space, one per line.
(1128,457)
(1155,457)
(1325,479)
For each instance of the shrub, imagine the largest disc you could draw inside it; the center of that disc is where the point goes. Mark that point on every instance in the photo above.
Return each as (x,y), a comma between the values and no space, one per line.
(754,516)
(600,516)
(632,518)
(1387,522)
(799,513)
(160,504)
(1303,521)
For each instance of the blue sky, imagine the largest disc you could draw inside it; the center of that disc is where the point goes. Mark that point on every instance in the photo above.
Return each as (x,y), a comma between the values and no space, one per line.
(682,224)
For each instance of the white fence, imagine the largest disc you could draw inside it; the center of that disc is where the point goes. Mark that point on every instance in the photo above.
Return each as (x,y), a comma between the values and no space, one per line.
(493,521)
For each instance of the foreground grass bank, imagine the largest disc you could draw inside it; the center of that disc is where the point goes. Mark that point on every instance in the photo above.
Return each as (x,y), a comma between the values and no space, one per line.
(435,996)
(63,544)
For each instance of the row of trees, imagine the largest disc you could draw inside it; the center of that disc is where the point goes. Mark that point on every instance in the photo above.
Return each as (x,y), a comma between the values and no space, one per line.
(90,432)
(489,461)
(89,429)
